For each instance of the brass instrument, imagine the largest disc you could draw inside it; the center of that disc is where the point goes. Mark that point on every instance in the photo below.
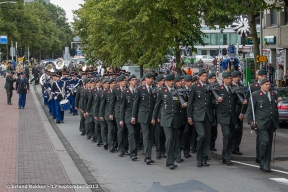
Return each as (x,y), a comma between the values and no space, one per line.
(59,63)
(50,66)
(81,66)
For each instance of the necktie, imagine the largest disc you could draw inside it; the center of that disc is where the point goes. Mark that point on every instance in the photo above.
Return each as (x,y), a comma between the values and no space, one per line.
(149,90)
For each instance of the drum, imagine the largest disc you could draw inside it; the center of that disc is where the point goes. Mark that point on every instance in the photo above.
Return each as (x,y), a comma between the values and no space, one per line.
(65,105)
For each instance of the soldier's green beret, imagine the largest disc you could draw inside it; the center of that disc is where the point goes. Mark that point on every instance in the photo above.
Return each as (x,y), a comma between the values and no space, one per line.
(111,80)
(92,80)
(187,78)
(201,72)
(85,80)
(149,75)
(194,78)
(104,80)
(169,77)
(120,78)
(262,72)
(226,74)
(235,73)
(264,80)
(159,78)
(210,75)
(131,76)
(178,78)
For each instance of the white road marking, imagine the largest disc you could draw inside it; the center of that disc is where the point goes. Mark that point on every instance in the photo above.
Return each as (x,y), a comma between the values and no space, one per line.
(280,180)
(284,172)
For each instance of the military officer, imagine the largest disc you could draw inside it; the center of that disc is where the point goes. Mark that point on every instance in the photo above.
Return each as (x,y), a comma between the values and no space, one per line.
(261,74)
(89,120)
(159,131)
(240,111)
(212,79)
(143,110)
(170,117)
(226,115)
(266,117)
(9,86)
(199,112)
(114,108)
(128,97)
(104,114)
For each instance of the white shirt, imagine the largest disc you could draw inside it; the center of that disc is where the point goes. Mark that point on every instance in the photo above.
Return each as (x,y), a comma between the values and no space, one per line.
(148,88)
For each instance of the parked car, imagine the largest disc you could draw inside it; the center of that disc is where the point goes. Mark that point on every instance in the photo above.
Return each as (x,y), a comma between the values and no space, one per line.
(207,59)
(283,105)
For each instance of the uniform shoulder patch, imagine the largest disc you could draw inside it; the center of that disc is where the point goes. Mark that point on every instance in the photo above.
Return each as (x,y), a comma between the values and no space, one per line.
(165,90)
(118,88)
(143,87)
(198,85)
(221,87)
(127,90)
(260,93)
(272,93)
(108,91)
(256,84)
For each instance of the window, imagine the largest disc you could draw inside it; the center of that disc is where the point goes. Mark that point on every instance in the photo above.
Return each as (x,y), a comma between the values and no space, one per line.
(206,39)
(286,15)
(274,16)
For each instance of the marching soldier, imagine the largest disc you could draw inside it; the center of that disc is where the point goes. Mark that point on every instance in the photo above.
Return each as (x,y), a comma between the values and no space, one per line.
(170,117)
(104,115)
(212,79)
(128,97)
(178,85)
(143,110)
(87,110)
(58,92)
(159,131)
(266,120)
(226,116)
(114,108)
(78,103)
(96,104)
(261,74)
(240,111)
(9,86)
(199,112)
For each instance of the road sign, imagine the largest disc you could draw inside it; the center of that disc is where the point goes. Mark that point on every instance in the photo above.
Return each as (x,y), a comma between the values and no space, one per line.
(79,52)
(231,49)
(247,49)
(3,39)
(261,58)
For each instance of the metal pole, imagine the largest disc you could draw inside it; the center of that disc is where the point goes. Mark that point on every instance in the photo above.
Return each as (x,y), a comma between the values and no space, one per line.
(261,33)
(16,58)
(7,51)
(12,55)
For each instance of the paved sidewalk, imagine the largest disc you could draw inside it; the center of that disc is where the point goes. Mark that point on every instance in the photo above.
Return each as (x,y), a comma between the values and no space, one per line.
(28,156)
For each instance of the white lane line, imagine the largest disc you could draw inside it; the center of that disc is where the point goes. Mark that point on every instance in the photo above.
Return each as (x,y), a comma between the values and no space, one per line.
(280,180)
(284,172)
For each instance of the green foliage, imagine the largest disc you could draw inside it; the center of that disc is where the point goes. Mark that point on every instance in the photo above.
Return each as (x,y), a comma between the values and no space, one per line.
(43,27)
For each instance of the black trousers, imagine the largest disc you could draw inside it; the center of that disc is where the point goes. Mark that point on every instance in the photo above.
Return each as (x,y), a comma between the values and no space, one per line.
(9,93)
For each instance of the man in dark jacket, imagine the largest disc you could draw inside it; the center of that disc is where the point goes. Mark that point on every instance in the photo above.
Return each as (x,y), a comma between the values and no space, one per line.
(9,87)
(22,88)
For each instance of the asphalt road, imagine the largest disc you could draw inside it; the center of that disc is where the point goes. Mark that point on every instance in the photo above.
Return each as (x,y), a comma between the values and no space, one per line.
(119,174)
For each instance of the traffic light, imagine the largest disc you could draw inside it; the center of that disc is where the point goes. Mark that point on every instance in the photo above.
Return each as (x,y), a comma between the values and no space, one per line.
(224,51)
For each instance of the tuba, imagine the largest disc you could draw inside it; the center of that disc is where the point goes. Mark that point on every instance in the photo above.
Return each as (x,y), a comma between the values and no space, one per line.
(81,66)
(59,63)
(50,66)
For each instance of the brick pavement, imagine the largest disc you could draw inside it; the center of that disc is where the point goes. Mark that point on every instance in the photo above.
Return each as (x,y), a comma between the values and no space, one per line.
(34,161)
(8,138)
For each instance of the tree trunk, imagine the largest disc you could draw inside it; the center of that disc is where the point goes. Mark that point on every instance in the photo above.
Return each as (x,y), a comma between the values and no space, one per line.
(253,33)
(141,71)
(178,56)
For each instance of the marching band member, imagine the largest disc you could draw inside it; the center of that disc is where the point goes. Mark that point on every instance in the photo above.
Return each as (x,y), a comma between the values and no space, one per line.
(58,93)
(71,88)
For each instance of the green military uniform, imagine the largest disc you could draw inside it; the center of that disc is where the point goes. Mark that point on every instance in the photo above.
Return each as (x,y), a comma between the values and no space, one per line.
(78,104)
(142,110)
(266,116)
(238,132)
(226,117)
(104,112)
(93,107)
(128,97)
(96,104)
(200,105)
(114,108)
(170,120)
(89,120)
(9,88)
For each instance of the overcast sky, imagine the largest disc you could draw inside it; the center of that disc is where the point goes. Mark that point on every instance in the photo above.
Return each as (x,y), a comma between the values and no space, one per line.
(68,6)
